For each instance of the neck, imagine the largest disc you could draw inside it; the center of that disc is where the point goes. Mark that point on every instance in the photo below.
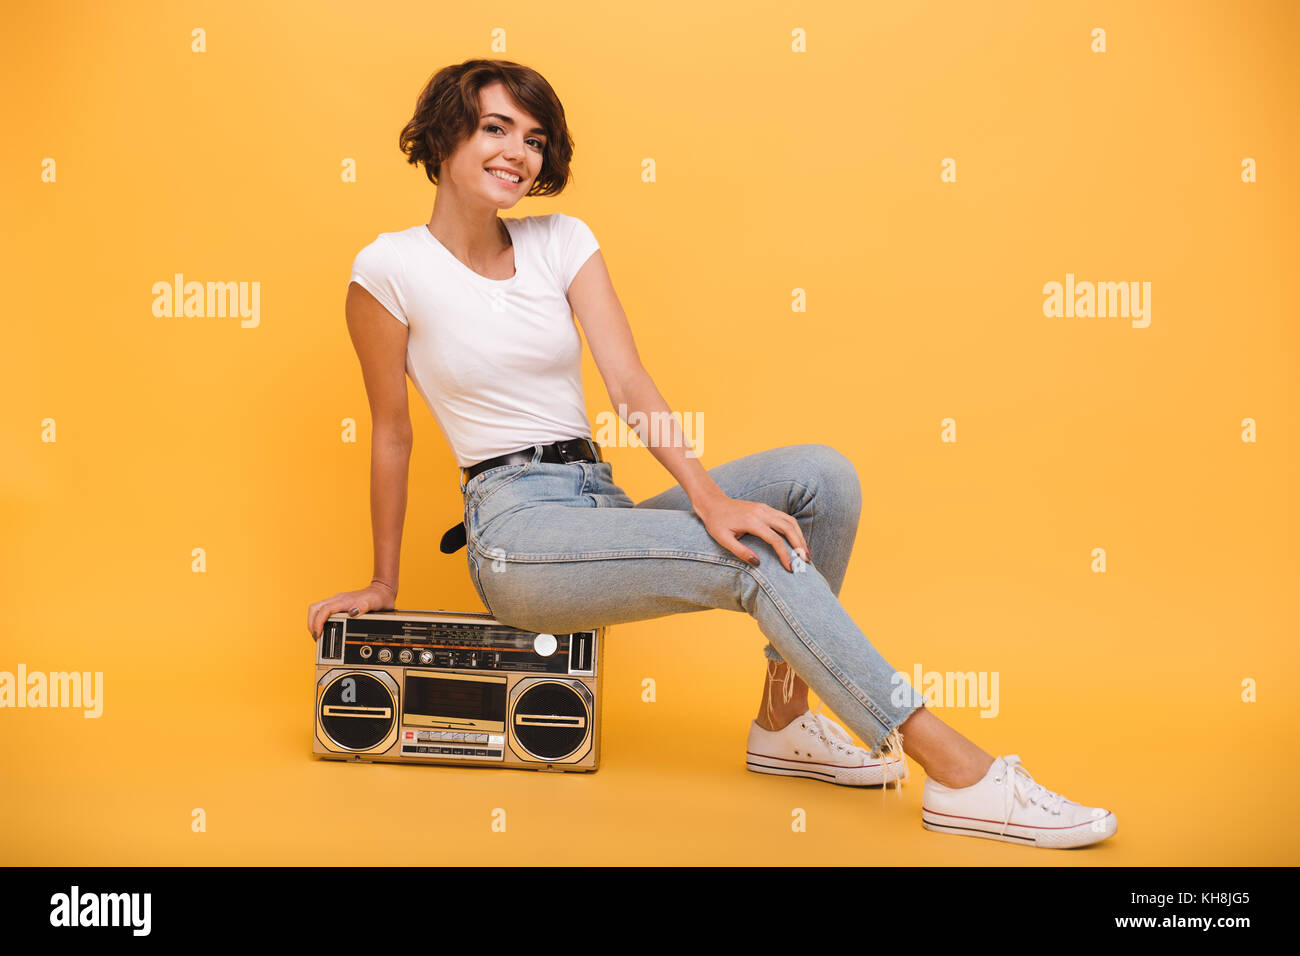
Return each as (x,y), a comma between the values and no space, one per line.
(471,235)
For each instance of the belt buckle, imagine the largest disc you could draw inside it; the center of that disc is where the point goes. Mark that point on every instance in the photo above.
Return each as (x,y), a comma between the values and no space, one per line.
(566,456)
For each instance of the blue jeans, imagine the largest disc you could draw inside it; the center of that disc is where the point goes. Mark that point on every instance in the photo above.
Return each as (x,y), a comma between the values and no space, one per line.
(559,547)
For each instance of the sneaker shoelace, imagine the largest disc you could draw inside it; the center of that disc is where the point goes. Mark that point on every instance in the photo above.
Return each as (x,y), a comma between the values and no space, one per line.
(1020,785)
(891,746)
(832,733)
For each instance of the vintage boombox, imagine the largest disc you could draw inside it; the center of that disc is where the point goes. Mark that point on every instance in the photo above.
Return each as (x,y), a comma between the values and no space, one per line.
(456,687)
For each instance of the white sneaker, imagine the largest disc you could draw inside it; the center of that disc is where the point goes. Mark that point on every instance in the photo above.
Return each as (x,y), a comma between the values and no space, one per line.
(815,746)
(1008,805)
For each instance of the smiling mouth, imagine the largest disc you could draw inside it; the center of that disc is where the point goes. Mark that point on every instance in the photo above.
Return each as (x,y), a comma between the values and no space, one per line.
(503,179)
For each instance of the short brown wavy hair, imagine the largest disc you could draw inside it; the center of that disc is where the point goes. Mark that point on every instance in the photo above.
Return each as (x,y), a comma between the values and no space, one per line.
(446,114)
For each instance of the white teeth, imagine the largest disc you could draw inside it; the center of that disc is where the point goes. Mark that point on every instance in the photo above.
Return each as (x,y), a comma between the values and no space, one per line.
(506,176)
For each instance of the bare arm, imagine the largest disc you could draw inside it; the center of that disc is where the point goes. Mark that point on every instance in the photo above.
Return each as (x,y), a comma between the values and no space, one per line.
(638,393)
(390,458)
(631,389)
(596,304)
(380,343)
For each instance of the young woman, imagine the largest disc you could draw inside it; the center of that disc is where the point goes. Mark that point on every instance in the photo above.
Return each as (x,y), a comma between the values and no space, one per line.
(479,311)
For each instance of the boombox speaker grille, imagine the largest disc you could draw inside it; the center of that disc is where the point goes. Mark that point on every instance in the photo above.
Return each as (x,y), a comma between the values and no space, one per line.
(357,711)
(550,720)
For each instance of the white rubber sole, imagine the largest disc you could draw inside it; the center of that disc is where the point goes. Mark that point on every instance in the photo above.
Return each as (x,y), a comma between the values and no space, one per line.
(867,776)
(1052,838)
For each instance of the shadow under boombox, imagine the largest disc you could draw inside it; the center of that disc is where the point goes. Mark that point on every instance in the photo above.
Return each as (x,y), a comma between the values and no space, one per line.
(457,687)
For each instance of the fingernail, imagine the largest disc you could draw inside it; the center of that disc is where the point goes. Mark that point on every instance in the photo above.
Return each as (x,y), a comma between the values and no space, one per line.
(754,561)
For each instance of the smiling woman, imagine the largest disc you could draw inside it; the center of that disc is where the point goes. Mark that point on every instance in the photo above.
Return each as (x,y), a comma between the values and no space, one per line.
(448,111)
(478,310)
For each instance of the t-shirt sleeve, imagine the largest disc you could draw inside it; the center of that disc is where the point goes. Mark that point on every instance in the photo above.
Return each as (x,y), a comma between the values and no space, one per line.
(572,244)
(378,269)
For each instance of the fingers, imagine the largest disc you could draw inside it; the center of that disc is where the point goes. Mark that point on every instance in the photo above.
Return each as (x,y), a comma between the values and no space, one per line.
(320,614)
(738,517)
(767,527)
(758,530)
(795,534)
(321,611)
(731,541)
(777,543)
(351,603)
(312,612)
(788,526)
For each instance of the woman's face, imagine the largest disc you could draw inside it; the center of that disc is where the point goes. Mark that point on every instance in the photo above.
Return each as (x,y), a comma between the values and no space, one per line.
(506,139)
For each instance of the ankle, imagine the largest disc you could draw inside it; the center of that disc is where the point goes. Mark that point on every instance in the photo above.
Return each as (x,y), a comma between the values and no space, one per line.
(959,774)
(780,719)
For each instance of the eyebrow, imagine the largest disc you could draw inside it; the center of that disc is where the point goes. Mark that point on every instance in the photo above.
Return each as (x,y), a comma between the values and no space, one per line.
(510,122)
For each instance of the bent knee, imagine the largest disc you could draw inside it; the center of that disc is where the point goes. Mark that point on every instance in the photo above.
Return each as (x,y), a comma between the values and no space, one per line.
(837,475)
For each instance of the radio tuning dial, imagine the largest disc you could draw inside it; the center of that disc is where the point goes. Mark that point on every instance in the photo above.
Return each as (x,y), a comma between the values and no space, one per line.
(545,644)
(385,654)
(405,656)
(426,657)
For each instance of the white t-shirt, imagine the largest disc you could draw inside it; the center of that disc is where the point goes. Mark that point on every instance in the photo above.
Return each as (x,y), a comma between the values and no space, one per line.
(498,361)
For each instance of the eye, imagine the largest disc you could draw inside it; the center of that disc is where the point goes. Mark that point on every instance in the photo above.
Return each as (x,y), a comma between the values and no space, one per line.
(491,126)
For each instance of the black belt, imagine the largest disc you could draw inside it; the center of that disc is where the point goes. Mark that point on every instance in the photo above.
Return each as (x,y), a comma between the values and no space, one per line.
(560,452)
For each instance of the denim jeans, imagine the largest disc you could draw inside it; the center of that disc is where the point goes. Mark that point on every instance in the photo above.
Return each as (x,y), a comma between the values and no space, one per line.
(559,547)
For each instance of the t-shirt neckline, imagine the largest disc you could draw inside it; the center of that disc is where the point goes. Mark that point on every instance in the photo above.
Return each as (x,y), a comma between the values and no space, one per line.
(478,276)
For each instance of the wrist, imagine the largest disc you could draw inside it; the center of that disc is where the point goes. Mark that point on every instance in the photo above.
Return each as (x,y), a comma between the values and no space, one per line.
(702,501)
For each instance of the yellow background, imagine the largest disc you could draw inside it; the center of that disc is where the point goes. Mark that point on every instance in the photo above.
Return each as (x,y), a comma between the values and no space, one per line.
(776,170)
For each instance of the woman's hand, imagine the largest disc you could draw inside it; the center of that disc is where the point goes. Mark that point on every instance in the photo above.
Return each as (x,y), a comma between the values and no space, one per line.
(377,597)
(727,519)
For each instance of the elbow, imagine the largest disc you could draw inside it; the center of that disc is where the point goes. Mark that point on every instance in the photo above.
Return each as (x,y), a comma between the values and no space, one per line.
(393,435)
(628,384)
